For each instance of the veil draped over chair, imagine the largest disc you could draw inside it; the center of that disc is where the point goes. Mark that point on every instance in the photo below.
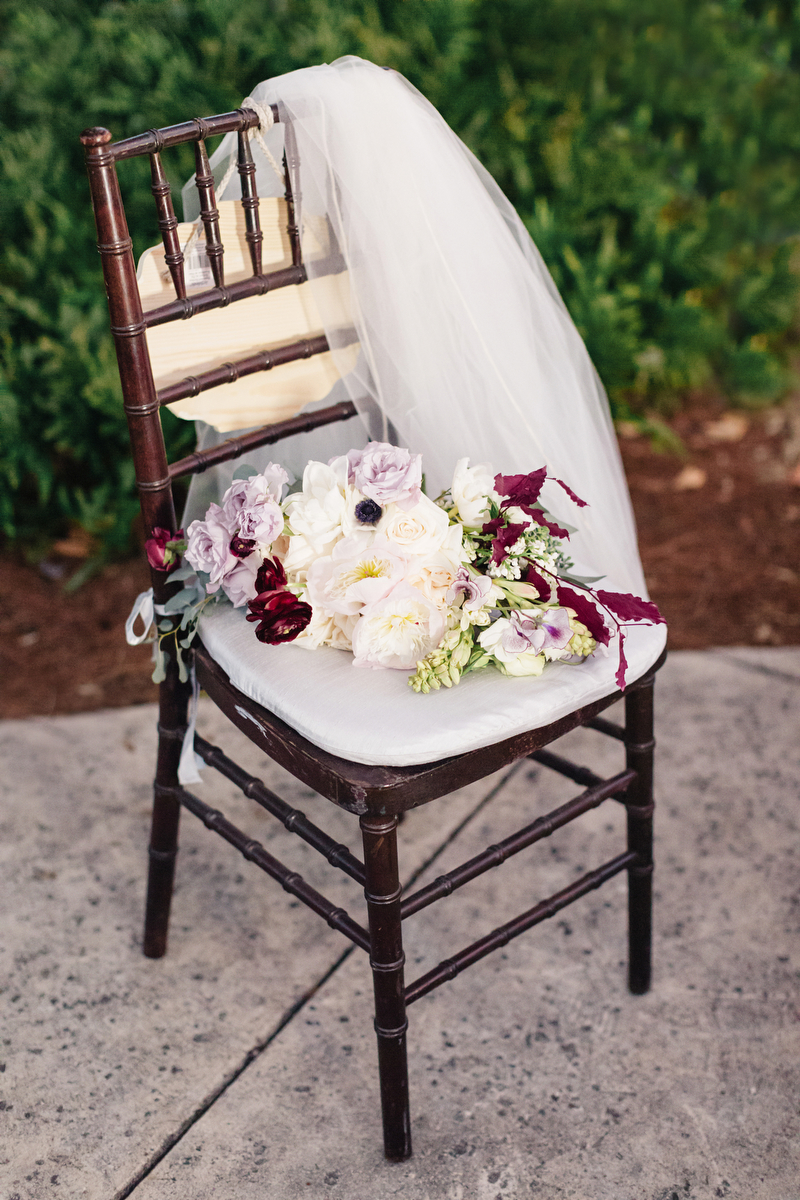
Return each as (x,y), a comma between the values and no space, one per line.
(466,345)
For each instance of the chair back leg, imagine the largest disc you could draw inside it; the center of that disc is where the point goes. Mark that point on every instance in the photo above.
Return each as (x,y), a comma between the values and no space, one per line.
(379,835)
(639,746)
(172,715)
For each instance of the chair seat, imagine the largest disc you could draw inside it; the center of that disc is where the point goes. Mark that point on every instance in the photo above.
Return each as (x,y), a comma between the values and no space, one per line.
(374,717)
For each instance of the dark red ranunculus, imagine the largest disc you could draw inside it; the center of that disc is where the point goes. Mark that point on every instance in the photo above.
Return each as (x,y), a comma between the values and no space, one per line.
(164,549)
(242,547)
(271,576)
(280,616)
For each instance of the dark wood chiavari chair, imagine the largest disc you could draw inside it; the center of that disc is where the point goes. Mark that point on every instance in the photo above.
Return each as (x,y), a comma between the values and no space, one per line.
(378,796)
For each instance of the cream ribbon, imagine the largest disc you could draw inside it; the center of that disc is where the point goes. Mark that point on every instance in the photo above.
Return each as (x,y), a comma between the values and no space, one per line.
(144,608)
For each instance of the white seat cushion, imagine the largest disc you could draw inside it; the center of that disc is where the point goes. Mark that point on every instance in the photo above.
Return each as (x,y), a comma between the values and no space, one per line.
(374,717)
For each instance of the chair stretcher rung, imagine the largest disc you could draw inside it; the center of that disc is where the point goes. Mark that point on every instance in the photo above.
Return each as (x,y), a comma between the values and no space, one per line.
(294,820)
(564,767)
(450,967)
(610,728)
(220,297)
(201,460)
(229,372)
(542,827)
(291,882)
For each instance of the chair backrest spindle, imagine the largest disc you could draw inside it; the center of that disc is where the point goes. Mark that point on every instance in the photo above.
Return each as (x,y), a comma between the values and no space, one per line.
(290,172)
(209,214)
(247,172)
(168,224)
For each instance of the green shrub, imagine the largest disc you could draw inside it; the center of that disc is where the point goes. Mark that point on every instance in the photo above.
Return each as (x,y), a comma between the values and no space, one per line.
(652,150)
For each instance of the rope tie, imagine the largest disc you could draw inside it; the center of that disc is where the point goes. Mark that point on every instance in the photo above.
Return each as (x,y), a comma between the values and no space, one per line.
(265,123)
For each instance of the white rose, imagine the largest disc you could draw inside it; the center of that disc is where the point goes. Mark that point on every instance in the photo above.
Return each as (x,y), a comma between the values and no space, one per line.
(398,631)
(422,530)
(471,489)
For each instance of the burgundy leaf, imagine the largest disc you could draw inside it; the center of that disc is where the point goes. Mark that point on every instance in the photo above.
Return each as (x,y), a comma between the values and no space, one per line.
(505,538)
(631,608)
(623,663)
(542,586)
(493,526)
(547,522)
(520,489)
(580,503)
(586,612)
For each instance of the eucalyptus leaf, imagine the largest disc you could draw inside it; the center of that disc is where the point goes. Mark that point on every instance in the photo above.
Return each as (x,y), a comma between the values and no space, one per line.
(244,471)
(160,672)
(581,580)
(165,626)
(183,573)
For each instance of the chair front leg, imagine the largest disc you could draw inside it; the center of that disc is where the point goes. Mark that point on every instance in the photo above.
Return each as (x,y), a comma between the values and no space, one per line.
(639,746)
(379,835)
(173,700)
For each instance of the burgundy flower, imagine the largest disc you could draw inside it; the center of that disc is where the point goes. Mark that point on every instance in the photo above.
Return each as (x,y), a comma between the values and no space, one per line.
(280,616)
(242,547)
(271,576)
(164,549)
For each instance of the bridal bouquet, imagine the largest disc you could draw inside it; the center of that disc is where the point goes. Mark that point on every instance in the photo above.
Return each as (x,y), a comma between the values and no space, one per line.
(362,560)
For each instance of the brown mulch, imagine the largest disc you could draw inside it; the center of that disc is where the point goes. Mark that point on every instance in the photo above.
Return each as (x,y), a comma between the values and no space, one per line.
(722,561)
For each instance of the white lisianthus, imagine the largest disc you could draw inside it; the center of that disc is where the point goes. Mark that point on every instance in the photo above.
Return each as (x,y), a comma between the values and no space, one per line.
(354,575)
(423,530)
(317,512)
(399,630)
(471,489)
(529,663)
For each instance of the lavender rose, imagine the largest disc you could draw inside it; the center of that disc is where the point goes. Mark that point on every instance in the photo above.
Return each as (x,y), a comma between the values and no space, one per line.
(208,547)
(387,474)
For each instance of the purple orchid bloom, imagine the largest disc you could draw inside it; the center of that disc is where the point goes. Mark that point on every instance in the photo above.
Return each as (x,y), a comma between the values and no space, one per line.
(474,588)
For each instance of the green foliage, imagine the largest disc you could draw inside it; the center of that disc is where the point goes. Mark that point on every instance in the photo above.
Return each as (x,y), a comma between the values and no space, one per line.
(652,150)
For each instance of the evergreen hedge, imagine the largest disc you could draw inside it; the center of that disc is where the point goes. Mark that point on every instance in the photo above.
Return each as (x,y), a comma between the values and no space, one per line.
(651,148)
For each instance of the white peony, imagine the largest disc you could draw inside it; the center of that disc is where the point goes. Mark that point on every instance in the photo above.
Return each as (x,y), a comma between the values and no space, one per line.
(471,489)
(327,629)
(354,575)
(398,630)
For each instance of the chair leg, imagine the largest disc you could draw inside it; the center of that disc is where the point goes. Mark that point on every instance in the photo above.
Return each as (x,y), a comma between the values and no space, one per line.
(382,891)
(639,745)
(173,702)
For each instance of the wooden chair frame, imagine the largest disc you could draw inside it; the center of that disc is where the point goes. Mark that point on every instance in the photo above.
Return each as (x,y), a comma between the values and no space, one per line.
(377,795)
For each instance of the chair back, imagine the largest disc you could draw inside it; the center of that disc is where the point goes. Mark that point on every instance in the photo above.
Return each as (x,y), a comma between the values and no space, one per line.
(249,255)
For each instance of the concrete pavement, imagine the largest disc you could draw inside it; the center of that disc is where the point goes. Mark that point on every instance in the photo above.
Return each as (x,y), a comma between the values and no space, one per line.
(243,1064)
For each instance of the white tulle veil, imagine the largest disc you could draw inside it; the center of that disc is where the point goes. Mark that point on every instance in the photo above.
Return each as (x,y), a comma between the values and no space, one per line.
(467,347)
